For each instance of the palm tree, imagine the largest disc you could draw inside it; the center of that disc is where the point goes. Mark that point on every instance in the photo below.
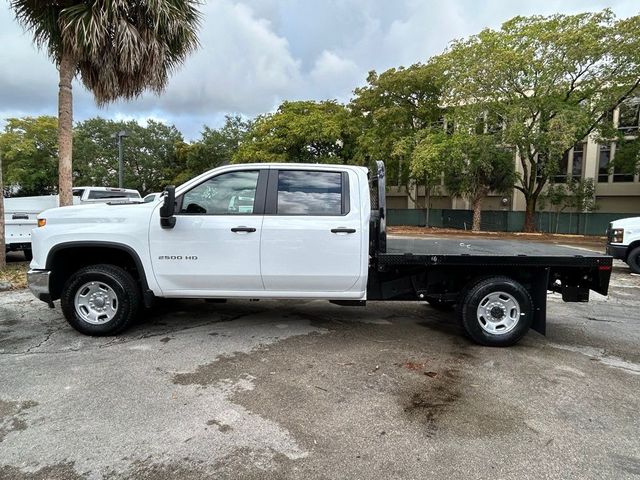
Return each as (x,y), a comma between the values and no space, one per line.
(119,48)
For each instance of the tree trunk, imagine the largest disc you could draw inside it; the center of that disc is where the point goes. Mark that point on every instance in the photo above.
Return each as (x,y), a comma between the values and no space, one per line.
(477,213)
(530,216)
(428,199)
(3,253)
(67,70)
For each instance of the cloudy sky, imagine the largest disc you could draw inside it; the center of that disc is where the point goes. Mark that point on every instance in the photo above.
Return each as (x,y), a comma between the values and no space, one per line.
(256,53)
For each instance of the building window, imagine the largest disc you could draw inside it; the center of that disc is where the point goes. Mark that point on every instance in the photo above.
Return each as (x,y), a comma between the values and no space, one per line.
(563,169)
(577,162)
(604,156)
(571,164)
(629,116)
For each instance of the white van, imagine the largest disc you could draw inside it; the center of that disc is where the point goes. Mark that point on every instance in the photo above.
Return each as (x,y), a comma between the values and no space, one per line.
(623,241)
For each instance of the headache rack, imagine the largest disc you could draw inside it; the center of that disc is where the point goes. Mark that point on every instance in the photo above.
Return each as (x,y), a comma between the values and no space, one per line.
(378,226)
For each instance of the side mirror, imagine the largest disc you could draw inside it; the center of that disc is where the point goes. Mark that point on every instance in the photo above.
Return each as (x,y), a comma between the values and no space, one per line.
(167,220)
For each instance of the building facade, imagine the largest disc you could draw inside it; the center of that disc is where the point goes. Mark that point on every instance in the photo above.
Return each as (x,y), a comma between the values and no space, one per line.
(617,191)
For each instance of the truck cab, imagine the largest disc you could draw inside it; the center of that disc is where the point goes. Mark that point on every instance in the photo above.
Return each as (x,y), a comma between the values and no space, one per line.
(623,241)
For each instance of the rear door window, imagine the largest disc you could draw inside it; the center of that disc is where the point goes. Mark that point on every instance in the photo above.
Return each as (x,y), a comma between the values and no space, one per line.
(303,192)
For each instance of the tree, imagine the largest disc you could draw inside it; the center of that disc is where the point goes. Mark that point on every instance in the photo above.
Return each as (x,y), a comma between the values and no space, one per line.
(149,154)
(308,132)
(29,148)
(553,80)
(393,109)
(119,49)
(473,165)
(576,194)
(216,147)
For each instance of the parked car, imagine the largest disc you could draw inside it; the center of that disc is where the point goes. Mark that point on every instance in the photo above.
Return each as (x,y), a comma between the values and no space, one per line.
(20,213)
(623,241)
(104,194)
(152,197)
(291,231)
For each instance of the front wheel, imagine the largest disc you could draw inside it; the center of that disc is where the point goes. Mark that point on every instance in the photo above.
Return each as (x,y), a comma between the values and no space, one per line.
(496,312)
(100,300)
(633,260)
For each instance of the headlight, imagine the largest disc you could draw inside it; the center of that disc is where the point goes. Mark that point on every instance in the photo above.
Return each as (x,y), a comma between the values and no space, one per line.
(42,222)
(617,235)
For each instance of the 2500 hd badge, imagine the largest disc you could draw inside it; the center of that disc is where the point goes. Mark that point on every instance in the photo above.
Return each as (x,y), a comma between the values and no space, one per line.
(178,257)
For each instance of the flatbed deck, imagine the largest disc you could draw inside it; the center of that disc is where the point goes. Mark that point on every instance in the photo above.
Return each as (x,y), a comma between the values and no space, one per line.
(476,251)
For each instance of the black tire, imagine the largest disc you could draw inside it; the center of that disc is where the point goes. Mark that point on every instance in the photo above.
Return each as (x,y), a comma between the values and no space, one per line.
(472,322)
(127,293)
(28,254)
(441,305)
(633,260)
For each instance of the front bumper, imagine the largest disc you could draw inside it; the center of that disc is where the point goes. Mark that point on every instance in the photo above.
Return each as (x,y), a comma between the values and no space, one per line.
(38,281)
(617,251)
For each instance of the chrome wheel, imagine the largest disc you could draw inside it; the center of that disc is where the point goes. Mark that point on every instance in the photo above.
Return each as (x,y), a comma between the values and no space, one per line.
(96,303)
(498,313)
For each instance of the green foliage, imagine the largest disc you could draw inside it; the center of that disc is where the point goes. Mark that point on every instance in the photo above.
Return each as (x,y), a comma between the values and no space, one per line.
(393,110)
(216,147)
(29,150)
(149,154)
(576,194)
(120,47)
(473,164)
(551,79)
(627,157)
(307,132)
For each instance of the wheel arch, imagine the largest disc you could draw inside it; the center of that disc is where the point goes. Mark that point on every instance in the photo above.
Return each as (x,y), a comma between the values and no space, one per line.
(632,246)
(66,258)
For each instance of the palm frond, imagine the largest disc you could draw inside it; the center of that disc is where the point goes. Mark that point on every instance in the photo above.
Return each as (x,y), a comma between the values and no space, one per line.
(121,47)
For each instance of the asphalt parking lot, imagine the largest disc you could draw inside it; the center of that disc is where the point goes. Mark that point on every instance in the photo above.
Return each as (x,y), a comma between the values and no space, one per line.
(312,390)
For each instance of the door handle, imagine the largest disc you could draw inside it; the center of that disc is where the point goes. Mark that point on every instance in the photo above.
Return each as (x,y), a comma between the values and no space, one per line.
(243,229)
(343,230)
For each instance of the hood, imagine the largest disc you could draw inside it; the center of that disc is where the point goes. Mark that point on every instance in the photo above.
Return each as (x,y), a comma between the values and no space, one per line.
(626,222)
(97,213)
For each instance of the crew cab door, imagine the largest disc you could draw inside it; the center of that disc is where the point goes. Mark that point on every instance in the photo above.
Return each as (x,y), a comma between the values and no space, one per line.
(214,247)
(311,233)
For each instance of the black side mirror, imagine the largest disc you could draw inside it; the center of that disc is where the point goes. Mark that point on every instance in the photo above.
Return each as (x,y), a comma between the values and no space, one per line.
(167,220)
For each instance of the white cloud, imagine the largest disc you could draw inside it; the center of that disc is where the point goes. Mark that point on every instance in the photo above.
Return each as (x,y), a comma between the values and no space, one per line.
(256,53)
(333,76)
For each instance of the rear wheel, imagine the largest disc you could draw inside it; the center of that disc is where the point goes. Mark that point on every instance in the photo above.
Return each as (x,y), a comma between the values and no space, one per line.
(633,260)
(496,311)
(100,300)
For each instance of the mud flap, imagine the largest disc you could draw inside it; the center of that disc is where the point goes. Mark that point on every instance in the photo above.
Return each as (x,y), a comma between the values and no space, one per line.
(539,285)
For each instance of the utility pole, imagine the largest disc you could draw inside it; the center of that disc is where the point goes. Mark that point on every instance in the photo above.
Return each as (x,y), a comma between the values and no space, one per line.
(119,136)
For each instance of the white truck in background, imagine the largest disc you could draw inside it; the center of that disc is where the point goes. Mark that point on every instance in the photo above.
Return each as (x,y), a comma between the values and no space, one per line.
(20,213)
(623,241)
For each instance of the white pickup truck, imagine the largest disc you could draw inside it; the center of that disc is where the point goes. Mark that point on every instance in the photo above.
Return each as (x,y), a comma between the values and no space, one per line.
(291,231)
(21,212)
(623,241)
